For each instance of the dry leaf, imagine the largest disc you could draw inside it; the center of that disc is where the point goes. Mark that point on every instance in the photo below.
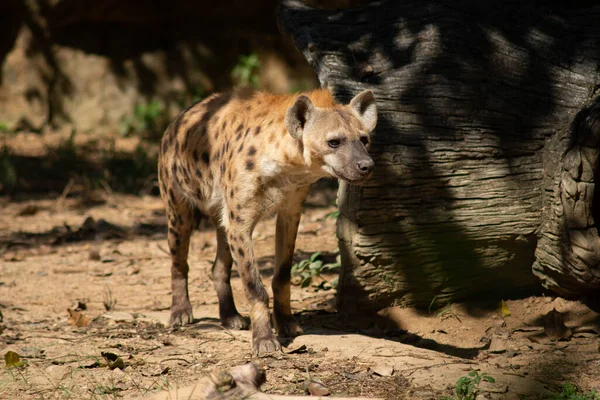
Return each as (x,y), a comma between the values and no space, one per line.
(504,311)
(554,325)
(13,360)
(112,360)
(30,209)
(77,318)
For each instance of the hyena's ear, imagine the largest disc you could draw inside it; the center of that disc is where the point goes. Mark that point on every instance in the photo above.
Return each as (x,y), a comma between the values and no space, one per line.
(366,109)
(297,116)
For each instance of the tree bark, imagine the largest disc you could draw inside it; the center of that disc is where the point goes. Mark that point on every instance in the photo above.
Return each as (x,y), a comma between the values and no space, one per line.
(486,148)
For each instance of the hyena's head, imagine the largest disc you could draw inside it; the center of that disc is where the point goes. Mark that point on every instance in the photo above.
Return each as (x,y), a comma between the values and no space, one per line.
(336,139)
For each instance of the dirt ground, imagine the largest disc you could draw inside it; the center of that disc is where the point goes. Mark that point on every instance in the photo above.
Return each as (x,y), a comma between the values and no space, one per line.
(98,250)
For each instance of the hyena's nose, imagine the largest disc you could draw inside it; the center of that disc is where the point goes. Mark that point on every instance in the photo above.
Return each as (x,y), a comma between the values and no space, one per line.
(365,166)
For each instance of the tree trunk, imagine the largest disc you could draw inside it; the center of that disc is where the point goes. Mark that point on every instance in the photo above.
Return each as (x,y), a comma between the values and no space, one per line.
(486,149)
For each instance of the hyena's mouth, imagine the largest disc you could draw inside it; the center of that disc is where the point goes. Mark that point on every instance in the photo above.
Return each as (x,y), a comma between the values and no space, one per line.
(353,181)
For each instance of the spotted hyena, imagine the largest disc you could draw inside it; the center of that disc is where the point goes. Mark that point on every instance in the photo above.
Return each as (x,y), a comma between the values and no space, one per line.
(242,156)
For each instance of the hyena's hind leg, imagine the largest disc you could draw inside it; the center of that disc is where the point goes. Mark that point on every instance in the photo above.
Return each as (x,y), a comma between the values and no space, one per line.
(181,220)
(221,271)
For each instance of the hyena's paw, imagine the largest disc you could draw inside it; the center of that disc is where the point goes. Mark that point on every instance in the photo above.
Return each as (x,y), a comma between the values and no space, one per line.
(235,322)
(181,314)
(287,326)
(265,346)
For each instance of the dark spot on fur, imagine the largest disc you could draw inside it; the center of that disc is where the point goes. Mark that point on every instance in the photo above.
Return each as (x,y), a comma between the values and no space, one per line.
(172,195)
(240,127)
(224,125)
(257,130)
(249,165)
(195,155)
(238,219)
(222,168)
(241,147)
(252,151)
(231,215)
(172,251)
(177,242)
(241,252)
(205,157)
(231,193)
(198,173)
(238,207)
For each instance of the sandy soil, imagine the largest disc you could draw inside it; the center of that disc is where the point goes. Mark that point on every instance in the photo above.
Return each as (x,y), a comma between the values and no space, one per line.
(108,249)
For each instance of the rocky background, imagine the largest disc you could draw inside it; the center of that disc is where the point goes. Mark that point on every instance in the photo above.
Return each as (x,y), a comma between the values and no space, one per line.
(88,64)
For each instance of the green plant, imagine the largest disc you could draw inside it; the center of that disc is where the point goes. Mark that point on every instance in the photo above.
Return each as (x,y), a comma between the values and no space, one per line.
(309,272)
(467,387)
(333,215)
(147,118)
(199,94)
(4,127)
(245,72)
(572,392)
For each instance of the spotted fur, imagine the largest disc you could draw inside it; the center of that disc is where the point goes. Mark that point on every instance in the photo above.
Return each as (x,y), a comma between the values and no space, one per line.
(240,157)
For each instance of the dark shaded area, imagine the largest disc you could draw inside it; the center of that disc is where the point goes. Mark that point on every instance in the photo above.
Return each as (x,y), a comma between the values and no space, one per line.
(323,323)
(130,172)
(461,86)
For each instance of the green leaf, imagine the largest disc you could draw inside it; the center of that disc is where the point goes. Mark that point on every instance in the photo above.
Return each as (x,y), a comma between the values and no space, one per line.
(314,256)
(472,373)
(334,282)
(13,360)
(489,379)
(306,282)
(316,265)
(330,267)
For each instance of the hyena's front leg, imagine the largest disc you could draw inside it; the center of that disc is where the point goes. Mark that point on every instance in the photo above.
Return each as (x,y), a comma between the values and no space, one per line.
(230,318)
(288,219)
(239,234)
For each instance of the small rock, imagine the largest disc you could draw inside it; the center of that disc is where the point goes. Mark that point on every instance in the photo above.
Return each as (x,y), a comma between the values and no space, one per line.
(119,316)
(383,370)
(79,306)
(498,345)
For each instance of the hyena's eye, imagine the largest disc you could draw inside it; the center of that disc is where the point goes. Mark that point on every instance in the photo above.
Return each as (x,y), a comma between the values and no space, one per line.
(364,140)
(334,143)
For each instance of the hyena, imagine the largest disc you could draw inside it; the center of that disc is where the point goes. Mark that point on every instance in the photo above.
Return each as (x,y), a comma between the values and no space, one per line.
(243,156)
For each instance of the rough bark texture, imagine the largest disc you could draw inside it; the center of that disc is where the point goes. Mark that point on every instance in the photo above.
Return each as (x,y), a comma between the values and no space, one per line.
(486,148)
